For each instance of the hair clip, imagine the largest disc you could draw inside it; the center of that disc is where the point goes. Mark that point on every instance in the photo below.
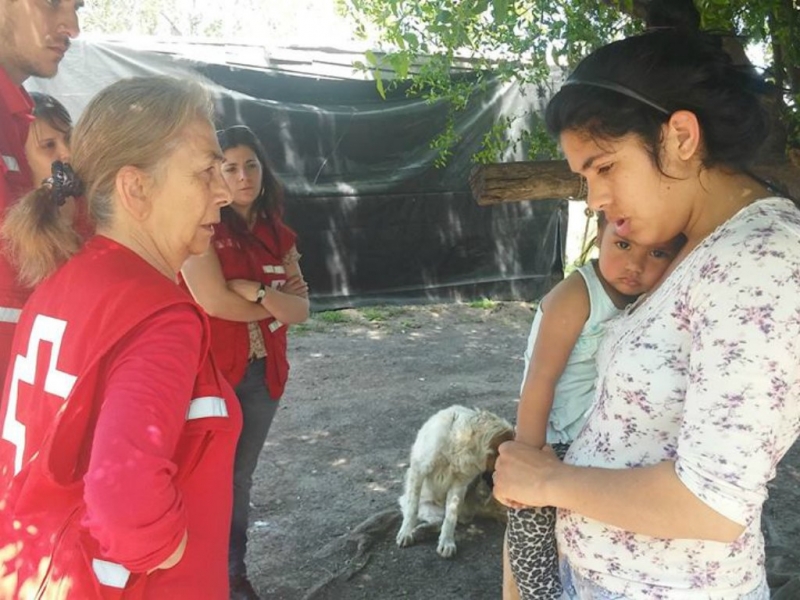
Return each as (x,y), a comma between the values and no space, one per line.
(63,182)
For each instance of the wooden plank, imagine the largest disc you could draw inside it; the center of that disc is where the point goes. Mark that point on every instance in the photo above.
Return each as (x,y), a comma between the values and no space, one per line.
(518,181)
(544,180)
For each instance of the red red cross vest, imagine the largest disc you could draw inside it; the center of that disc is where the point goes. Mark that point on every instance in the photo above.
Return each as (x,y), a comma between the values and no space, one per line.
(256,256)
(16,179)
(48,415)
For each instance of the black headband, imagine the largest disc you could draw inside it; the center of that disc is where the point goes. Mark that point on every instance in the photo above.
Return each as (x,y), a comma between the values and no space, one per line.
(620,89)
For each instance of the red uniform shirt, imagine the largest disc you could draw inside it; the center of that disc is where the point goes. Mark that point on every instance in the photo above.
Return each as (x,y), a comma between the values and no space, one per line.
(256,256)
(15,180)
(118,435)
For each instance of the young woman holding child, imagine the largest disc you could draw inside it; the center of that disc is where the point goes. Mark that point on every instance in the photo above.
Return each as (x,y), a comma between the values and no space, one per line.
(558,383)
(698,390)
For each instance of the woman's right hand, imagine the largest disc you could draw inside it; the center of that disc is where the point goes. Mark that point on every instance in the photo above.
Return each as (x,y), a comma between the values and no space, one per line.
(522,472)
(296,286)
(175,557)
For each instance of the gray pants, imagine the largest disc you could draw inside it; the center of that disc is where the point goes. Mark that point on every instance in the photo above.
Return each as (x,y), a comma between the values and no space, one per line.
(258,409)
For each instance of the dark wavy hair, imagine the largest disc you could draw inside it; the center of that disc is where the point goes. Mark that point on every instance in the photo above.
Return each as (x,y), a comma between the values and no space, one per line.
(269,202)
(668,69)
(49,109)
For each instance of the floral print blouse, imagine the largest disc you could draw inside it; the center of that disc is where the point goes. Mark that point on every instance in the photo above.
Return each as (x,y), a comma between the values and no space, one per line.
(705,372)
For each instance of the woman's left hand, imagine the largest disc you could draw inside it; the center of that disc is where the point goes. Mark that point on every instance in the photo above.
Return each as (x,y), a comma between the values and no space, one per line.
(521,474)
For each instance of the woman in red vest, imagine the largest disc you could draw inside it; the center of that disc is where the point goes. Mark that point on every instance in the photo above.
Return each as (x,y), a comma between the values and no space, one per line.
(251,286)
(47,143)
(116,429)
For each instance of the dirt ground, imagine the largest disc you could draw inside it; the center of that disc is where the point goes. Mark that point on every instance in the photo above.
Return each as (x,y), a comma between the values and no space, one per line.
(362,382)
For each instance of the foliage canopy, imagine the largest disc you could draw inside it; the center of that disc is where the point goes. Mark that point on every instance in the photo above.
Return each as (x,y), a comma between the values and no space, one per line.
(521,40)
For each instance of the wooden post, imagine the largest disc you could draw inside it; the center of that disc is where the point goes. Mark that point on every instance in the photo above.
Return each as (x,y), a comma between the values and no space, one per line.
(513,182)
(544,180)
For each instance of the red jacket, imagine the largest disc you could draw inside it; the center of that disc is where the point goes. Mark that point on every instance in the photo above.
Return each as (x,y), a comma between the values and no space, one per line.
(51,456)
(256,256)
(15,180)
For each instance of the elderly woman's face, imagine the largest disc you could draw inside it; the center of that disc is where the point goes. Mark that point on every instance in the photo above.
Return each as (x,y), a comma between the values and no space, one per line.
(187,199)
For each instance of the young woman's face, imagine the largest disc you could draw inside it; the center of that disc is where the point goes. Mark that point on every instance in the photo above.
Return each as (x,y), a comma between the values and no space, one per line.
(643,204)
(242,172)
(45,145)
(632,268)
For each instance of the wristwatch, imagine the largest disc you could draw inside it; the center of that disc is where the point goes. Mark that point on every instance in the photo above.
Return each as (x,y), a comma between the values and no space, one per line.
(262,291)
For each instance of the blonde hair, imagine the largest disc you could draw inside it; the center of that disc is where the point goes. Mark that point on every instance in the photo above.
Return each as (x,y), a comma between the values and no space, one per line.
(134,122)
(37,239)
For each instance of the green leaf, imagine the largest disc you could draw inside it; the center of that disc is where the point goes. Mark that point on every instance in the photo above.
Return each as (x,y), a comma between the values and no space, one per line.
(499,10)
(401,63)
(379,84)
(411,40)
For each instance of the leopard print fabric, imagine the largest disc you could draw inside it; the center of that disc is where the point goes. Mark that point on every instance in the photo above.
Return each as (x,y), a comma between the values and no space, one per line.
(532,551)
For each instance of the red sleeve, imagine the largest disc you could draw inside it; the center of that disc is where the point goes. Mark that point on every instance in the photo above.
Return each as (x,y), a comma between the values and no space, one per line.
(133,508)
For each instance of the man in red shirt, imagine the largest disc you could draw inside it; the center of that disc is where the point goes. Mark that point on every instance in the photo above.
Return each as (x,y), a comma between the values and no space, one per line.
(35,36)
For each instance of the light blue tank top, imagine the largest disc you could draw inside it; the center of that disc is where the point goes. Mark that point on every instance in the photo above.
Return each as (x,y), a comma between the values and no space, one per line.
(574,391)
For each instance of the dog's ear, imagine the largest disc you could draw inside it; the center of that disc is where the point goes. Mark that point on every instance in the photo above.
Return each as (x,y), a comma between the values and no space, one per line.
(504,436)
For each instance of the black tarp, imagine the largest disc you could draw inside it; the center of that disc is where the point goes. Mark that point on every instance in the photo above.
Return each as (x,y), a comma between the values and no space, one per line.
(377,221)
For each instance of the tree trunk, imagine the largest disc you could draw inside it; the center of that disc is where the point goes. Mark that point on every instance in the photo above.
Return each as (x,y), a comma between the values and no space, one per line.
(544,180)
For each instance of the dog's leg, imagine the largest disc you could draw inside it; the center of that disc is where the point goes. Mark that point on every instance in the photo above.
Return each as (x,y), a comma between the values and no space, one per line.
(414,479)
(447,538)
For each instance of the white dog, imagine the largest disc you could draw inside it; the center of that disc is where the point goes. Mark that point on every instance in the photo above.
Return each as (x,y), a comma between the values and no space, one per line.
(452,448)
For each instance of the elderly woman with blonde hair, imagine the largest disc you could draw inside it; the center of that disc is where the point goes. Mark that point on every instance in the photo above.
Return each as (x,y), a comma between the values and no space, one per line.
(118,431)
